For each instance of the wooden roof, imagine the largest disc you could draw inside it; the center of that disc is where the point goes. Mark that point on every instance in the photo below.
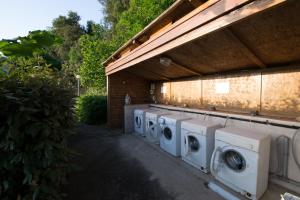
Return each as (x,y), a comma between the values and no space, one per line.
(178,9)
(219,36)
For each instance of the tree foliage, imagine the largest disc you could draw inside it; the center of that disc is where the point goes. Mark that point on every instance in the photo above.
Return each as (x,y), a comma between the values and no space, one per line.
(139,14)
(124,18)
(113,10)
(36,119)
(34,42)
(94,49)
(69,29)
(91,109)
(33,50)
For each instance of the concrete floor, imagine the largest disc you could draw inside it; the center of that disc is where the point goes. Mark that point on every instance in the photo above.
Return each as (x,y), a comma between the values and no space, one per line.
(128,167)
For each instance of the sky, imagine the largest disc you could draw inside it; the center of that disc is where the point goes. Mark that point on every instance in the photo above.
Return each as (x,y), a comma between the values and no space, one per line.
(18,17)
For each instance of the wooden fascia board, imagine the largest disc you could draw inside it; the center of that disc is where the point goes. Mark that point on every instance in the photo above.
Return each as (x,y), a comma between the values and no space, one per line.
(195,3)
(219,23)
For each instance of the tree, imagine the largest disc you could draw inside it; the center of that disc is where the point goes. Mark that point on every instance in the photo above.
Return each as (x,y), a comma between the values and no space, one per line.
(69,29)
(33,50)
(124,19)
(139,14)
(95,48)
(113,10)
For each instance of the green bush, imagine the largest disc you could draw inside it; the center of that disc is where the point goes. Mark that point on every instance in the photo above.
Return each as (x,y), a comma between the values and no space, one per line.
(91,109)
(36,119)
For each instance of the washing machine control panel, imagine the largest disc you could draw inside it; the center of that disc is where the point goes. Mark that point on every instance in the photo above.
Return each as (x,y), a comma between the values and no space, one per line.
(161,121)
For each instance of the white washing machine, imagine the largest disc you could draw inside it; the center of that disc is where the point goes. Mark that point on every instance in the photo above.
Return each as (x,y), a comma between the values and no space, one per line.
(139,121)
(170,133)
(153,130)
(241,160)
(197,142)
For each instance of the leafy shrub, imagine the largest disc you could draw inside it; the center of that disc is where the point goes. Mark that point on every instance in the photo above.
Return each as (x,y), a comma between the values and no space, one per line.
(91,109)
(36,119)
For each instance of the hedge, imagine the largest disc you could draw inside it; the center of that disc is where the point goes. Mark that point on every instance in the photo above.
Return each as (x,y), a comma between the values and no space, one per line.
(36,119)
(91,109)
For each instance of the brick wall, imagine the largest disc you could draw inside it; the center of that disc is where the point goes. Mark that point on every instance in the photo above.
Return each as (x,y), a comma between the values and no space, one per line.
(119,84)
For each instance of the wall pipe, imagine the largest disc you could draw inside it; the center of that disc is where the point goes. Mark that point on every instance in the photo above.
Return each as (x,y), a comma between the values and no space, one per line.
(234,118)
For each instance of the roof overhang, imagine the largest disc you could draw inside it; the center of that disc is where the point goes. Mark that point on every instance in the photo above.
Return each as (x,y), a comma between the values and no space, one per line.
(219,36)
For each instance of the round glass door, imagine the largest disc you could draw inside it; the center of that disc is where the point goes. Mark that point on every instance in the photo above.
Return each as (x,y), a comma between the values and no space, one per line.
(138,121)
(167,133)
(234,160)
(151,125)
(193,143)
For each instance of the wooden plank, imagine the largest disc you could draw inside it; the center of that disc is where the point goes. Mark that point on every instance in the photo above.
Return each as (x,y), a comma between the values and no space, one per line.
(195,3)
(222,22)
(160,76)
(146,70)
(186,68)
(161,29)
(201,49)
(142,75)
(245,48)
(199,16)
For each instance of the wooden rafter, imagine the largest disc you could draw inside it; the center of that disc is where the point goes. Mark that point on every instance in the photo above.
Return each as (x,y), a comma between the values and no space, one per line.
(187,69)
(145,71)
(247,51)
(158,75)
(201,50)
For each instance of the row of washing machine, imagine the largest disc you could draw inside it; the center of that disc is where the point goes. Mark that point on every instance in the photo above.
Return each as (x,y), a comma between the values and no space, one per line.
(239,158)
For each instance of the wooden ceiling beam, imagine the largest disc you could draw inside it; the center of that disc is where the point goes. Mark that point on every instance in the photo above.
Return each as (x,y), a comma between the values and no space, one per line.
(146,71)
(148,76)
(187,69)
(158,75)
(201,50)
(247,51)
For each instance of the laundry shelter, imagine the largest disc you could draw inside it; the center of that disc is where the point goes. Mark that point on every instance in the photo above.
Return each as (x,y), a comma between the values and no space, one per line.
(236,58)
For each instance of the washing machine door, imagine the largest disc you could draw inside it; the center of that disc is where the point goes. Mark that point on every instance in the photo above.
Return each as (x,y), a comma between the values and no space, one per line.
(191,144)
(138,121)
(234,160)
(229,158)
(167,133)
(237,166)
(152,133)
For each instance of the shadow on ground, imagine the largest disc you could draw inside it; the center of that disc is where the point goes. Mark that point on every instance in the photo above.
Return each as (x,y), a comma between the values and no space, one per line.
(106,173)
